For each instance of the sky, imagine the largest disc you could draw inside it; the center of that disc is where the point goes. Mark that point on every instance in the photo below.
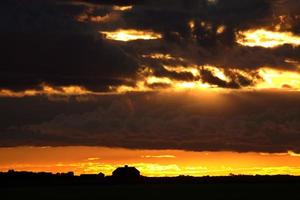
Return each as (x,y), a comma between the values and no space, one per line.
(170,86)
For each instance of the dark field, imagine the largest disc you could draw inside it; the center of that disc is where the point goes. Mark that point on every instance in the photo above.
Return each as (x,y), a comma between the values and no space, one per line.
(157,191)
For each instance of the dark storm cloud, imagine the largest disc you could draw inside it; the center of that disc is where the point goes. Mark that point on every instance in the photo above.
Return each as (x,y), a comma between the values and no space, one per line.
(251,58)
(115,2)
(40,16)
(62,60)
(169,15)
(42,42)
(253,121)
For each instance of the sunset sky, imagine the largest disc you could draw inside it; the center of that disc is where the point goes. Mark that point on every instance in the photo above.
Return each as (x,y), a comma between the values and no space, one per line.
(173,87)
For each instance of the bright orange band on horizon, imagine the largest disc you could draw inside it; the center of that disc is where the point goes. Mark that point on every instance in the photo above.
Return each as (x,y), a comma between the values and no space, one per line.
(150,162)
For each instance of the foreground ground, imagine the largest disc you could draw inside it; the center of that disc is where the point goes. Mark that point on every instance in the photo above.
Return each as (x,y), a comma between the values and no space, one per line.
(156,191)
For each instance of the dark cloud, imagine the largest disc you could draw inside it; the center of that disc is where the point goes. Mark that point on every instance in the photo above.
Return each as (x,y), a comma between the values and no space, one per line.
(237,121)
(208,77)
(241,80)
(182,76)
(115,2)
(45,42)
(203,45)
(251,58)
(35,16)
(169,15)
(62,60)
(44,45)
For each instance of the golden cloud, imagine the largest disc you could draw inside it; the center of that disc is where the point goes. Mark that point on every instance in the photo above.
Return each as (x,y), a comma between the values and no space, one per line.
(277,79)
(122,8)
(47,90)
(126,35)
(267,39)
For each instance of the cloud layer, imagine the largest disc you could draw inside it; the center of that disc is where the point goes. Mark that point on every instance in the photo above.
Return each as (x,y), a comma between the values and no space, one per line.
(260,122)
(58,42)
(190,44)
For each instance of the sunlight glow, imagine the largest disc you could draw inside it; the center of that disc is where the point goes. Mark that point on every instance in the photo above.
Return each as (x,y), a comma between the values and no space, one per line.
(216,72)
(266,79)
(221,29)
(92,160)
(180,69)
(147,78)
(126,35)
(147,81)
(159,156)
(161,56)
(276,79)
(267,39)
(122,8)
(47,90)
(192,25)
(99,19)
